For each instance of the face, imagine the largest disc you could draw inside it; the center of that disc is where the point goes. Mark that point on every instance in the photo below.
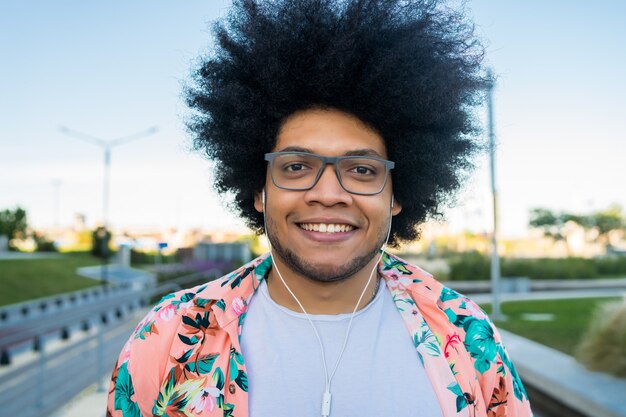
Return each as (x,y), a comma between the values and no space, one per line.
(295,220)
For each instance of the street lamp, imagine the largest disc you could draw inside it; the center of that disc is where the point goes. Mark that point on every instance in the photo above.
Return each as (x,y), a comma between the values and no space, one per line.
(496,313)
(107,146)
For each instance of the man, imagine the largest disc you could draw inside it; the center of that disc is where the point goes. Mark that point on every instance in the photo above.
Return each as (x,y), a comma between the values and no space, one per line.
(338,127)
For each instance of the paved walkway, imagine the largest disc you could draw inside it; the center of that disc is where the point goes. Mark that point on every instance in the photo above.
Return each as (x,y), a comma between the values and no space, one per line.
(27,256)
(90,402)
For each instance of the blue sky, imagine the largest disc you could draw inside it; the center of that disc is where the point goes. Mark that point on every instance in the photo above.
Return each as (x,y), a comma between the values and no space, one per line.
(110,69)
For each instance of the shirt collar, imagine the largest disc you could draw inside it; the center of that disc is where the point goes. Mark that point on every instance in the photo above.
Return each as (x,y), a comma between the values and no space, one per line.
(232,293)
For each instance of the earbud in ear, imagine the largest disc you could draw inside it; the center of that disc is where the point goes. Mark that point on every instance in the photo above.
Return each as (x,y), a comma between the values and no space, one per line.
(391,200)
(263,197)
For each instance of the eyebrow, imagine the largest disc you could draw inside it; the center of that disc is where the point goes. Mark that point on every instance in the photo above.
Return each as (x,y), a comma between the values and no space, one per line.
(354,152)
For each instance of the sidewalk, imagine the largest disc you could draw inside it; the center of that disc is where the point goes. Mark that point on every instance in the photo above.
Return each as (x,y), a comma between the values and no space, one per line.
(88,403)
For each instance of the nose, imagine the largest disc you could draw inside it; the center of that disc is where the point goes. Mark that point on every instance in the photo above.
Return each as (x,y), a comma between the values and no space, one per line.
(328,190)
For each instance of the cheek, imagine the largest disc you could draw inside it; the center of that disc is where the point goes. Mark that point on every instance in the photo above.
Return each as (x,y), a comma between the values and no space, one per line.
(377,213)
(280,204)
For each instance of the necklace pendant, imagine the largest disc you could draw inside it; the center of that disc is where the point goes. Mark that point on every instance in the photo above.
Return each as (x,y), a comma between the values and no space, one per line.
(326,404)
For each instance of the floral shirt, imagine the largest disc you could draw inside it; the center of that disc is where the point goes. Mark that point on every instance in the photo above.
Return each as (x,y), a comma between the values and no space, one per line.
(184,357)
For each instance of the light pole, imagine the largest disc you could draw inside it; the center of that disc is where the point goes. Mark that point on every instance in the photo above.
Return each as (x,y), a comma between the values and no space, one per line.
(496,313)
(107,146)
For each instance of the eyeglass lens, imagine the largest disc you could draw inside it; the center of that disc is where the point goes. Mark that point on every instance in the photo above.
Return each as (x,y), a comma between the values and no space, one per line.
(357,174)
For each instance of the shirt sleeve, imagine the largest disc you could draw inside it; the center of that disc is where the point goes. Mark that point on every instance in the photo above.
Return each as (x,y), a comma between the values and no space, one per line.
(137,375)
(508,395)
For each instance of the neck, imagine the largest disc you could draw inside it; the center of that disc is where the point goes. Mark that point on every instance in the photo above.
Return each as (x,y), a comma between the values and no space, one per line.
(322,297)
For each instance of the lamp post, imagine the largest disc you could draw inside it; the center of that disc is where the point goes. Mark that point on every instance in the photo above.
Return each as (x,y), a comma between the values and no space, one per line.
(107,146)
(496,313)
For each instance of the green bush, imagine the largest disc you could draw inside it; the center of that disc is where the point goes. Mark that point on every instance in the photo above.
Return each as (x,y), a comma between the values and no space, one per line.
(549,268)
(603,347)
(474,266)
(148,258)
(470,266)
(43,244)
(612,266)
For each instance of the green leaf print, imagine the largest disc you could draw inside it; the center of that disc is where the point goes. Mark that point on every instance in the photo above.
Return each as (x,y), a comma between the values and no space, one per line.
(201,302)
(238,357)
(263,267)
(185,357)
(188,341)
(218,378)
(236,277)
(461,402)
(457,319)
(146,330)
(391,263)
(221,304)
(228,410)
(426,338)
(448,294)
(480,343)
(123,391)
(177,396)
(518,388)
(233,368)
(242,380)
(203,321)
(166,297)
(190,322)
(203,365)
(188,296)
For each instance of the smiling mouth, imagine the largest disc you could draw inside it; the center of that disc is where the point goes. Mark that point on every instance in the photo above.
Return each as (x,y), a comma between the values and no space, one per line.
(326,228)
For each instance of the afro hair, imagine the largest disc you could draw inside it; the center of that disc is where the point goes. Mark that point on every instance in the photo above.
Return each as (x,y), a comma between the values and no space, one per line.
(411,70)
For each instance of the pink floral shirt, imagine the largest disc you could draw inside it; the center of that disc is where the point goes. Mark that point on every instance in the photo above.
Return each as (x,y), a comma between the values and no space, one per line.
(184,357)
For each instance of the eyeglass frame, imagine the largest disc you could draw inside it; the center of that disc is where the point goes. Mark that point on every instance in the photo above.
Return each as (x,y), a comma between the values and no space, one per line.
(333,160)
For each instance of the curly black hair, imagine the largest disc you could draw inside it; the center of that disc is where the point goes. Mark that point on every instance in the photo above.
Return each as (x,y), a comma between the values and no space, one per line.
(410,69)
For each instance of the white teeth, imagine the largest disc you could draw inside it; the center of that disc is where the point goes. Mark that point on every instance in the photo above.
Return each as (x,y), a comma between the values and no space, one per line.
(326,228)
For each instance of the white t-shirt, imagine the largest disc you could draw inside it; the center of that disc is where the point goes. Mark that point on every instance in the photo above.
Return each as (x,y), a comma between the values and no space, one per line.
(286,375)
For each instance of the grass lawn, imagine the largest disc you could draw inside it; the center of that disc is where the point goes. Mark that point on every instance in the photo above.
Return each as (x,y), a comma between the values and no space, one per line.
(25,279)
(571,319)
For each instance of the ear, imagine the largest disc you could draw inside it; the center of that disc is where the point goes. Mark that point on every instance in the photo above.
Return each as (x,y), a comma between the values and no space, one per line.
(396,208)
(258,202)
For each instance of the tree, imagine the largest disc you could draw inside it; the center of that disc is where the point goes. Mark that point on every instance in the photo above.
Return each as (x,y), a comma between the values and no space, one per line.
(13,224)
(550,222)
(555,225)
(606,221)
(602,222)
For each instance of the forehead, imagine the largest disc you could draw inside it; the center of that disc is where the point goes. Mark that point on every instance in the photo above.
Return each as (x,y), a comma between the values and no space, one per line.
(329,133)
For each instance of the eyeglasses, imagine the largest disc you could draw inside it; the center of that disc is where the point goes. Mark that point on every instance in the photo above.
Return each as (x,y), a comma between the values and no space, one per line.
(300,171)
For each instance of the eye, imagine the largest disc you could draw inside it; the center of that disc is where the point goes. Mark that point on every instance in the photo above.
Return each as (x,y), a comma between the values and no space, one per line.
(294,167)
(363,170)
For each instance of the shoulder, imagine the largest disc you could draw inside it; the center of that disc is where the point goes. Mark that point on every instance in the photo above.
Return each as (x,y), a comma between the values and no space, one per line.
(186,335)
(208,301)
(468,338)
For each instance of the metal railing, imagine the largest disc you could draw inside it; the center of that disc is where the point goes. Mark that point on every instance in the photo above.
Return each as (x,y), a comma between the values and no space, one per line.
(54,378)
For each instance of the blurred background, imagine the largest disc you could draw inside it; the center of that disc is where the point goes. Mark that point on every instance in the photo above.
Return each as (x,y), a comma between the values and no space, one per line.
(104,207)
